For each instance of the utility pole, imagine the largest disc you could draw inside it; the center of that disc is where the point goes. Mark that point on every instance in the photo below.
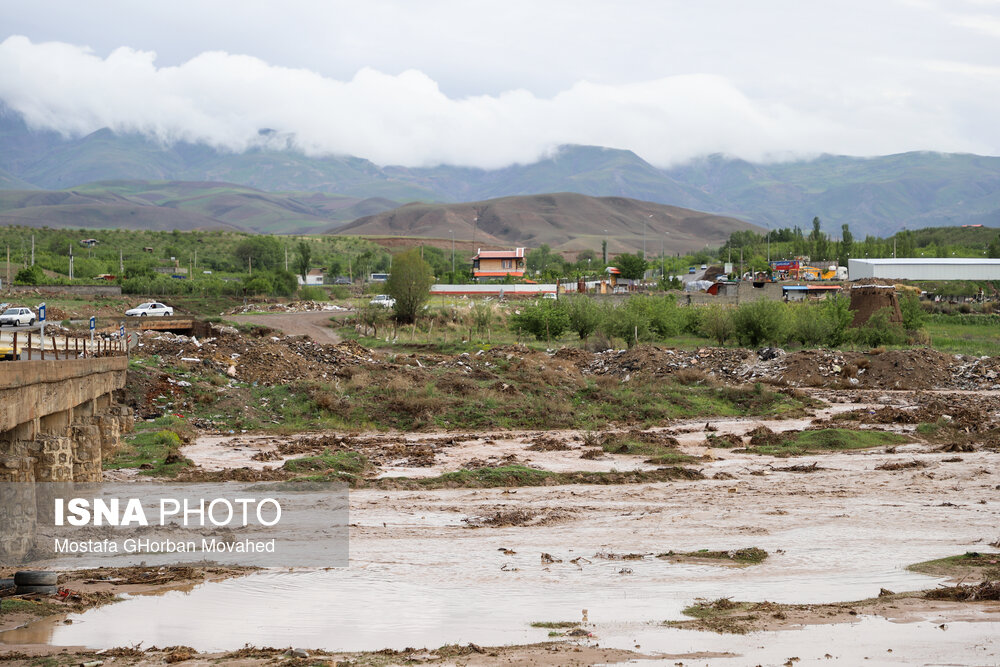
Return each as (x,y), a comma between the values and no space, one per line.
(286,257)
(121,263)
(452,253)
(71,261)
(32,249)
(250,264)
(8,267)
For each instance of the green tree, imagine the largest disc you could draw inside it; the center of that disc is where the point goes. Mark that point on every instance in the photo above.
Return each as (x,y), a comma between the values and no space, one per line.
(993,249)
(409,284)
(846,245)
(913,313)
(584,315)
(260,252)
(837,316)
(30,275)
(631,266)
(303,259)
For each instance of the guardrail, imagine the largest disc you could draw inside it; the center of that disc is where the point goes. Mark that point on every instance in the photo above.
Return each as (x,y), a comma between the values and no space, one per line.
(28,345)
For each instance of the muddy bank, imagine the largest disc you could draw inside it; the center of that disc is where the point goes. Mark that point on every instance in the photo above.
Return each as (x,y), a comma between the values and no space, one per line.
(80,590)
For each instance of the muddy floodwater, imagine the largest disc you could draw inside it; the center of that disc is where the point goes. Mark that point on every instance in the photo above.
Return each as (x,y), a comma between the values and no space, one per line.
(423,575)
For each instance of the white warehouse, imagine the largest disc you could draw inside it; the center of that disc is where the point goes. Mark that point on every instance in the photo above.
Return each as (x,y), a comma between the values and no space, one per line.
(924,268)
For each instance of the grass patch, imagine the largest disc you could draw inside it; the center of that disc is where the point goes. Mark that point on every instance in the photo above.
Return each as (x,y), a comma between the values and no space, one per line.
(344,464)
(154,448)
(972,564)
(658,449)
(41,608)
(555,625)
(746,556)
(974,335)
(825,440)
(518,475)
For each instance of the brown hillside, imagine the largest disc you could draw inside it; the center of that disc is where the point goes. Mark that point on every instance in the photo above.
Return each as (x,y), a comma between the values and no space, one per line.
(567,222)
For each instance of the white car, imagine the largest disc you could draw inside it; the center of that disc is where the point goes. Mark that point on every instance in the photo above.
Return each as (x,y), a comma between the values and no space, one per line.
(17,317)
(153,308)
(383,300)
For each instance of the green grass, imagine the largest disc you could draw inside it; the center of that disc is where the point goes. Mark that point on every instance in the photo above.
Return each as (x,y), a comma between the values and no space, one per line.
(974,335)
(518,475)
(555,625)
(746,556)
(656,452)
(343,464)
(970,564)
(830,439)
(153,446)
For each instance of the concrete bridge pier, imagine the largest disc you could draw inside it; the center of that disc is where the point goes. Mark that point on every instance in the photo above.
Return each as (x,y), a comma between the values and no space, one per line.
(58,419)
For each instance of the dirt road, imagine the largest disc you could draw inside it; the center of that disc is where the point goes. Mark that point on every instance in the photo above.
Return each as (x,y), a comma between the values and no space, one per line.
(314,325)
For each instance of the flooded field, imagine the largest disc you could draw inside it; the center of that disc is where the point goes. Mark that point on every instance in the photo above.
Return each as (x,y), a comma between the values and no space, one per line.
(430,568)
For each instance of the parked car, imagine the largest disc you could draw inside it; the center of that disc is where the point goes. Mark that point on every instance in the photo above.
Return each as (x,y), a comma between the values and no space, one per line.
(17,317)
(153,308)
(7,353)
(342,280)
(383,300)
(550,295)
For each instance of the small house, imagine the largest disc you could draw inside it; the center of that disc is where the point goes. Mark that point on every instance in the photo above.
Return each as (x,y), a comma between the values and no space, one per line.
(313,277)
(498,264)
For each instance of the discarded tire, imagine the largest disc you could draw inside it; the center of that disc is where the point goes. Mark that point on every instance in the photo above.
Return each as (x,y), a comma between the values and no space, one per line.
(36,578)
(41,590)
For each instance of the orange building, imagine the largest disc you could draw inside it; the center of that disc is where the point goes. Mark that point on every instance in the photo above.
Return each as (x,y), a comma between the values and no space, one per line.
(498,264)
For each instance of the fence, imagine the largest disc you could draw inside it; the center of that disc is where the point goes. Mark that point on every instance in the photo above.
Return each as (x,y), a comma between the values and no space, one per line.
(28,345)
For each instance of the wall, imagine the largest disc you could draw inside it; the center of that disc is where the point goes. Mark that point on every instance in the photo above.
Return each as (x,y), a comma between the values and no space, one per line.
(945,268)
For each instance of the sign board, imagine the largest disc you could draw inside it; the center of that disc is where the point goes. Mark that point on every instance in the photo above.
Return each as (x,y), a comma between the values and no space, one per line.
(93,323)
(785,265)
(41,312)
(121,331)
(727,268)
(131,340)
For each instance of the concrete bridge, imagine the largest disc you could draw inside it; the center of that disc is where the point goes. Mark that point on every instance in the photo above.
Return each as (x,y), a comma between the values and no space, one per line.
(58,419)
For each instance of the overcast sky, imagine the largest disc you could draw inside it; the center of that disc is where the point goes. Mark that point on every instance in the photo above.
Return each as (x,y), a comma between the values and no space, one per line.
(491,82)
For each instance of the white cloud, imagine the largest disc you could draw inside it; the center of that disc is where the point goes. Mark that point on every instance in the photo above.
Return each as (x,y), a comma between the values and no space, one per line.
(224,100)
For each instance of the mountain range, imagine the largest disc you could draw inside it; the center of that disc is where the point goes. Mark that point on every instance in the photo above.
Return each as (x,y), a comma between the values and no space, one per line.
(877,195)
(567,222)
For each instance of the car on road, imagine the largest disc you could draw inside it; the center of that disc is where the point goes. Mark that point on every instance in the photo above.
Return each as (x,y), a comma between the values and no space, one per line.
(17,317)
(704,266)
(150,308)
(691,269)
(383,300)
(342,280)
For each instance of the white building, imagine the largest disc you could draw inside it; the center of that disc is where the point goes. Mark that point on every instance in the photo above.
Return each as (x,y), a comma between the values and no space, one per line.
(313,277)
(924,268)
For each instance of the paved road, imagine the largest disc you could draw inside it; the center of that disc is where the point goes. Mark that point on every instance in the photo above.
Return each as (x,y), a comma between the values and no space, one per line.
(314,325)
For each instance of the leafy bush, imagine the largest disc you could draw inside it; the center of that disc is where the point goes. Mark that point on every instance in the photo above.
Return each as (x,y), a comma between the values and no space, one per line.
(762,321)
(544,320)
(717,323)
(808,325)
(913,313)
(30,275)
(878,331)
